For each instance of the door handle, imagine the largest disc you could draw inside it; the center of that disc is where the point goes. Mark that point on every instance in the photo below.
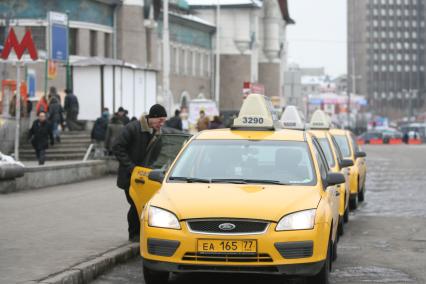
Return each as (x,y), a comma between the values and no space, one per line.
(337,193)
(140,181)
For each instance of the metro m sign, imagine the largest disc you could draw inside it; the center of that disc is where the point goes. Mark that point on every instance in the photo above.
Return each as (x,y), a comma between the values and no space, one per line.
(27,43)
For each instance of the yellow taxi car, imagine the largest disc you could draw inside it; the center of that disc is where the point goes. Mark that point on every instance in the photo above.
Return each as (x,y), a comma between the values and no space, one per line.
(319,126)
(251,199)
(350,149)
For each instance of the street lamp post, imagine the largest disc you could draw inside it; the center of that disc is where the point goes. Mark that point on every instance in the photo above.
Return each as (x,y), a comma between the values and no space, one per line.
(217,70)
(166,56)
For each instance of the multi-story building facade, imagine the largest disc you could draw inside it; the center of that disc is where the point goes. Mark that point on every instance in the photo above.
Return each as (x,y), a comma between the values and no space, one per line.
(386,54)
(252,45)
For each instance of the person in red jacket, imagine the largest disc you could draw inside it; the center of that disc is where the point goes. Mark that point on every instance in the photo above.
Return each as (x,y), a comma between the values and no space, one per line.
(42,105)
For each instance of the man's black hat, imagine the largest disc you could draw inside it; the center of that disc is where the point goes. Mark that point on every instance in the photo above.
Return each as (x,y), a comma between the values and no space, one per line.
(156,111)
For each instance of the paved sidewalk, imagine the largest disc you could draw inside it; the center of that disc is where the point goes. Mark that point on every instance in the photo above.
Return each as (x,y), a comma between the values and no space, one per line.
(49,230)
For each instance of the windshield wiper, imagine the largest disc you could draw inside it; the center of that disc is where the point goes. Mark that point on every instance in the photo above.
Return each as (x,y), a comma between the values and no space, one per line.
(245,181)
(266,181)
(229,180)
(190,180)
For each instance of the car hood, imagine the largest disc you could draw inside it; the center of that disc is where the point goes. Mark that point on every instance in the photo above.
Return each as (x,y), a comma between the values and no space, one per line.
(270,202)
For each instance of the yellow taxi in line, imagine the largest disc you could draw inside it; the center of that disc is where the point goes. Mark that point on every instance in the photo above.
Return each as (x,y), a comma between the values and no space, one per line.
(319,126)
(251,199)
(347,143)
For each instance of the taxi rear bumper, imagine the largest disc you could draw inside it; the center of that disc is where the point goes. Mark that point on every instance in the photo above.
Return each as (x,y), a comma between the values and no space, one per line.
(305,269)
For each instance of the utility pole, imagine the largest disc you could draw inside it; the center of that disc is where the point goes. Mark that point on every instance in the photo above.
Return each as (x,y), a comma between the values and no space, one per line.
(217,69)
(17,108)
(166,56)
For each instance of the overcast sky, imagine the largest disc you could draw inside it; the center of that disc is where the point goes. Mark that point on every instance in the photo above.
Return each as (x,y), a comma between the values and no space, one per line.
(318,39)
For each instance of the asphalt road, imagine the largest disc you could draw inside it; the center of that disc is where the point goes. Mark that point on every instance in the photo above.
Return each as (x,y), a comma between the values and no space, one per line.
(384,242)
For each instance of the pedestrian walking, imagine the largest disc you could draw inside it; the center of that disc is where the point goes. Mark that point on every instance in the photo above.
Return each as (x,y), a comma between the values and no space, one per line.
(175,122)
(42,105)
(216,123)
(99,133)
(203,121)
(55,117)
(130,149)
(54,94)
(71,108)
(39,135)
(126,118)
(114,129)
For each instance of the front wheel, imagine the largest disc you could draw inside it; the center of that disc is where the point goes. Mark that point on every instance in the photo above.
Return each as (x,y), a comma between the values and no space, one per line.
(353,202)
(323,277)
(346,215)
(155,277)
(361,194)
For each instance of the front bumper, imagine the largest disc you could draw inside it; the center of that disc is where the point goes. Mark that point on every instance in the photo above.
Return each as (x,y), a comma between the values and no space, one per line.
(305,269)
(178,252)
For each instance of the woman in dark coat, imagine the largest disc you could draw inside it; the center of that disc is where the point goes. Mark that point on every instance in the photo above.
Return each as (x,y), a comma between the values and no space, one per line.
(40,133)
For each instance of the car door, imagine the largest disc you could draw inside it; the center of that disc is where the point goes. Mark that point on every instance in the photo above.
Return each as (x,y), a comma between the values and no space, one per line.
(359,162)
(161,155)
(333,195)
(344,171)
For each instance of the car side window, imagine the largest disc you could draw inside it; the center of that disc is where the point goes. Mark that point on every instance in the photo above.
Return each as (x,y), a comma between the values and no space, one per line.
(338,152)
(355,144)
(162,153)
(322,163)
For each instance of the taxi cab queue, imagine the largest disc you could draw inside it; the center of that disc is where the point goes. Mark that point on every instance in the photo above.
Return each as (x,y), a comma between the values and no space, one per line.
(266,196)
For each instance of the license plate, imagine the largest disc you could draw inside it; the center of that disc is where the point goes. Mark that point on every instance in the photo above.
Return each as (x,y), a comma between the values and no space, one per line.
(227,246)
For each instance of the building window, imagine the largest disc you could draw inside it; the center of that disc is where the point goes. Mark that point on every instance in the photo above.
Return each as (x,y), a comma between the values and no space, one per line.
(93,44)
(73,38)
(2,34)
(39,37)
(181,61)
(108,47)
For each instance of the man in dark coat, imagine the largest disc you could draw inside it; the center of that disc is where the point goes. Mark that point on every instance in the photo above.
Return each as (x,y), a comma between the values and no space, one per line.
(55,117)
(130,149)
(175,122)
(99,132)
(113,131)
(39,135)
(71,108)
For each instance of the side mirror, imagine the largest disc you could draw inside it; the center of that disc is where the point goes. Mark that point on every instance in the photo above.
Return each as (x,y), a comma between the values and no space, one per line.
(156,175)
(346,163)
(335,178)
(360,154)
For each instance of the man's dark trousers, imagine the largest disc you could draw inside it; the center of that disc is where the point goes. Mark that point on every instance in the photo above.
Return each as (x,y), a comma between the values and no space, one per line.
(132,217)
(41,156)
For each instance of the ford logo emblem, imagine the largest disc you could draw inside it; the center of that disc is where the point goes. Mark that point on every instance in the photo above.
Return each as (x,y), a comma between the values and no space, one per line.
(227,226)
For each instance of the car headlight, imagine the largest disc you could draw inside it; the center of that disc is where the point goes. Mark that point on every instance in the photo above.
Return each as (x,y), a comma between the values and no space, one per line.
(161,218)
(303,220)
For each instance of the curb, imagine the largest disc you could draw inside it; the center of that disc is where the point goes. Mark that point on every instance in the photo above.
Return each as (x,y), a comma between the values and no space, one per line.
(87,271)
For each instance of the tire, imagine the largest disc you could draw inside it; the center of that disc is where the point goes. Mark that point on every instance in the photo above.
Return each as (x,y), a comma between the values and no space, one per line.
(323,277)
(346,215)
(353,203)
(155,277)
(340,228)
(361,194)
(334,255)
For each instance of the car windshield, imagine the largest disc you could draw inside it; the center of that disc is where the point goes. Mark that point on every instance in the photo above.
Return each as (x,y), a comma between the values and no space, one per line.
(343,143)
(325,145)
(245,161)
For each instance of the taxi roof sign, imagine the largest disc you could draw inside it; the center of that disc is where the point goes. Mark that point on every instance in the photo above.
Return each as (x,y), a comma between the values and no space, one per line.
(256,113)
(292,118)
(320,120)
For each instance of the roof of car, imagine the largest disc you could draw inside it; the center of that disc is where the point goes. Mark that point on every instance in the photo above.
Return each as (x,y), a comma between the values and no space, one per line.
(319,133)
(228,134)
(336,131)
